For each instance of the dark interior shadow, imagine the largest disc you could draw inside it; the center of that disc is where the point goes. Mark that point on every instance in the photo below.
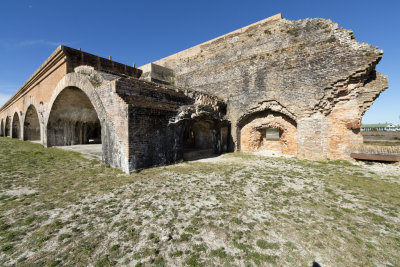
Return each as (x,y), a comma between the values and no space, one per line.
(196,154)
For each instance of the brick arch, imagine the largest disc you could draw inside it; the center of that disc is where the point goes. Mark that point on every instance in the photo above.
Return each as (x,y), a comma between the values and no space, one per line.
(39,108)
(31,102)
(262,106)
(81,82)
(31,124)
(253,130)
(16,124)
(266,106)
(2,127)
(7,126)
(76,129)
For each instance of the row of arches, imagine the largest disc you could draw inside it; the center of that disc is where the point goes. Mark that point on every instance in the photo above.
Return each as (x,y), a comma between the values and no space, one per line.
(11,126)
(72,120)
(76,116)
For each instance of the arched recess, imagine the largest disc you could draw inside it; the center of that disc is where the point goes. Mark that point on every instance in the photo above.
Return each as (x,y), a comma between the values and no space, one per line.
(16,126)
(7,127)
(73,119)
(268,131)
(31,124)
(201,138)
(2,128)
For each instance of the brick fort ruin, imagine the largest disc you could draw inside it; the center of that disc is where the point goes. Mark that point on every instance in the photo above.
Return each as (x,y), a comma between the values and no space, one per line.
(295,87)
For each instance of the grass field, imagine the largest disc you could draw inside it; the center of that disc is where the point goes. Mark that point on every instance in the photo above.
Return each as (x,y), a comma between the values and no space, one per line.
(381,143)
(58,208)
(381,138)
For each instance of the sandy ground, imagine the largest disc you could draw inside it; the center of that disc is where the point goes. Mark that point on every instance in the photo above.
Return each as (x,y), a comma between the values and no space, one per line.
(92,150)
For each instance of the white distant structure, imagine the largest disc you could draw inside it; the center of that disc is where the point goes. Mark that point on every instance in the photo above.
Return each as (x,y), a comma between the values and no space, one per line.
(380,127)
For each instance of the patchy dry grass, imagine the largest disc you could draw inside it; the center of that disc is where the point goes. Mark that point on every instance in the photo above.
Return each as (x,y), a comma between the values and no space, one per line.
(58,208)
(382,143)
(379,148)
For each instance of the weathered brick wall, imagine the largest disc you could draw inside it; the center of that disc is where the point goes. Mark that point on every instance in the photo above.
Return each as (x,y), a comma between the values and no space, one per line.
(343,130)
(38,89)
(306,66)
(37,93)
(112,111)
(252,135)
(58,73)
(312,135)
(75,58)
(141,122)
(2,127)
(31,130)
(308,78)
(156,123)
(152,141)
(150,106)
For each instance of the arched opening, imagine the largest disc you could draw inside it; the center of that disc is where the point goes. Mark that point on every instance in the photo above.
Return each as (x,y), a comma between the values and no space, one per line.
(31,124)
(200,139)
(7,127)
(2,128)
(268,131)
(73,120)
(16,126)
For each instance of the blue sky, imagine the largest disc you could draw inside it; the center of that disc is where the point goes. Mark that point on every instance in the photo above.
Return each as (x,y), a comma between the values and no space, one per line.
(144,31)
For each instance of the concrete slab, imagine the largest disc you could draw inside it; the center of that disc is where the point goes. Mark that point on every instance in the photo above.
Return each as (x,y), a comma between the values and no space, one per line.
(94,150)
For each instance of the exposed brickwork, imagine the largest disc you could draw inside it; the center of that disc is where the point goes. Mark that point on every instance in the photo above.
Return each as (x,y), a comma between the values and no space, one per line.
(300,68)
(309,78)
(312,137)
(2,127)
(340,136)
(31,129)
(252,135)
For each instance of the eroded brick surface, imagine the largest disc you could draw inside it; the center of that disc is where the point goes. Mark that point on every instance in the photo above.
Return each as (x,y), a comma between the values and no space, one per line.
(303,69)
(308,78)
(253,134)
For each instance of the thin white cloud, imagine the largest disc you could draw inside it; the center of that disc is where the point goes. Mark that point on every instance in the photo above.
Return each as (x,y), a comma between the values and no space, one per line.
(4,98)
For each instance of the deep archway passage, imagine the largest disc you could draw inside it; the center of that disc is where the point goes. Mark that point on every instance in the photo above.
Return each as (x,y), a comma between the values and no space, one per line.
(73,120)
(2,128)
(7,127)
(16,126)
(31,124)
(199,139)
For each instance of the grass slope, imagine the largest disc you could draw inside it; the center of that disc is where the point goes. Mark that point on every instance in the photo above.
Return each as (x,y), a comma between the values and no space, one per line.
(57,208)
